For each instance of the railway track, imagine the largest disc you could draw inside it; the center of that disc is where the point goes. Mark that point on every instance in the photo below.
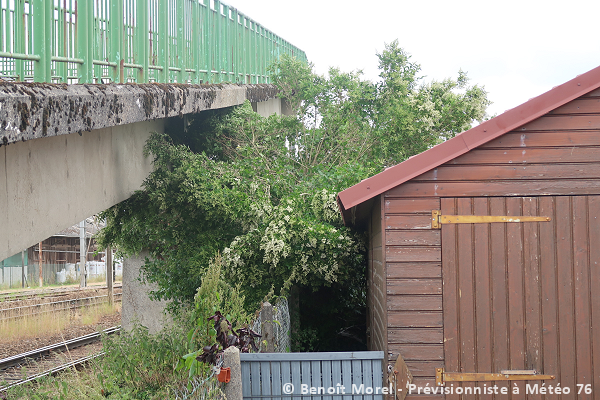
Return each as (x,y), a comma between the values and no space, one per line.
(54,306)
(50,293)
(49,360)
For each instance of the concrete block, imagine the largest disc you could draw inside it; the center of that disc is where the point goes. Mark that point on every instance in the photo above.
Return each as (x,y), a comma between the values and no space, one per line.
(54,182)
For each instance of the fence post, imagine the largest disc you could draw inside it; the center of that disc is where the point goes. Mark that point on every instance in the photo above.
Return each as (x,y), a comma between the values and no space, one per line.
(41,276)
(231,359)
(84,41)
(42,40)
(19,32)
(116,40)
(163,41)
(196,29)
(266,321)
(82,255)
(181,45)
(207,38)
(22,268)
(142,41)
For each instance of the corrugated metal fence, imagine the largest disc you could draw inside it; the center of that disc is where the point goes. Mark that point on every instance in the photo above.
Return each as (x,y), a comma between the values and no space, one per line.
(327,376)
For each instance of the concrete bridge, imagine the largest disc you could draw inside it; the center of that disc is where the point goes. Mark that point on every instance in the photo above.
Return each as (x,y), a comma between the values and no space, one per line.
(82,85)
(71,151)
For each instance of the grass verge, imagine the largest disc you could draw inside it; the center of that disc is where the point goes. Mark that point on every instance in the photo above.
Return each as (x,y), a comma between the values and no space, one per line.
(137,365)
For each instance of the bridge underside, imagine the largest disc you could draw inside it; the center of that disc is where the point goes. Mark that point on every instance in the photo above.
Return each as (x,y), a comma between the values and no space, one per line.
(72,151)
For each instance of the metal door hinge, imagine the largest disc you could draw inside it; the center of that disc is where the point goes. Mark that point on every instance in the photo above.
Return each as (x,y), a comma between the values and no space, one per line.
(437,219)
(441,377)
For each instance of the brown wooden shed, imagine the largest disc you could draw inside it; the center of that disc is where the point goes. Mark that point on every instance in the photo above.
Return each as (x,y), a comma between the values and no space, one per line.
(492,296)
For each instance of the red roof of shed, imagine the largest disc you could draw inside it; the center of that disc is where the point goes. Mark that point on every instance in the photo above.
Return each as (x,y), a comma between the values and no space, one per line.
(466,141)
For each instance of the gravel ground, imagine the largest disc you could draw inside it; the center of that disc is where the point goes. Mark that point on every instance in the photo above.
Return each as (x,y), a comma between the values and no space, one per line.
(76,329)
(48,296)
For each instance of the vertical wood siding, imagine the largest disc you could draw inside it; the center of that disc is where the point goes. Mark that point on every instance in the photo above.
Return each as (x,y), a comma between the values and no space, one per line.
(520,296)
(550,166)
(376,297)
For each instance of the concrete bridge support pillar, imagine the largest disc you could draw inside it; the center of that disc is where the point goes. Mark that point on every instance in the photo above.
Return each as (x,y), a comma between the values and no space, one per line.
(137,306)
(71,151)
(272,106)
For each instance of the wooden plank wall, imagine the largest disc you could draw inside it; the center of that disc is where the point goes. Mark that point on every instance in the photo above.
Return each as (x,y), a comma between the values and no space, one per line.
(61,250)
(556,155)
(376,296)
(521,296)
(414,286)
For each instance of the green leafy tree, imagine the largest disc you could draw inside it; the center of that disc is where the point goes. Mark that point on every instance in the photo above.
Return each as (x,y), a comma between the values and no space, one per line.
(262,191)
(414,116)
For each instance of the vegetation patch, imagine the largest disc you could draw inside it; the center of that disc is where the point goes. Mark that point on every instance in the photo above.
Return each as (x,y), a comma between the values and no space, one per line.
(261,192)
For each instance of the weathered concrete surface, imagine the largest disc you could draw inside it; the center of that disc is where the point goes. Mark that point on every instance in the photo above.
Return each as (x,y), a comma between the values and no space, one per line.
(137,306)
(51,183)
(272,106)
(231,359)
(71,151)
(36,110)
(269,107)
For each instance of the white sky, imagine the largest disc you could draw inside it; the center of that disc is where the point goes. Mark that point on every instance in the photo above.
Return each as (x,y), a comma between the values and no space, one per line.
(516,49)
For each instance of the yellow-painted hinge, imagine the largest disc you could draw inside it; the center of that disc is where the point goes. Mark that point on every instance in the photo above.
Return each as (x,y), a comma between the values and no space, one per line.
(437,219)
(441,377)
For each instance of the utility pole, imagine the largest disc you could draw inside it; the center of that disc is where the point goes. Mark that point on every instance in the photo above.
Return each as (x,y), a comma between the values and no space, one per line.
(40,263)
(109,275)
(82,256)
(22,268)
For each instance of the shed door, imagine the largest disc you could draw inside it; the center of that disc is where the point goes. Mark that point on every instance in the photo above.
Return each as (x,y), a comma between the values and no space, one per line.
(523,296)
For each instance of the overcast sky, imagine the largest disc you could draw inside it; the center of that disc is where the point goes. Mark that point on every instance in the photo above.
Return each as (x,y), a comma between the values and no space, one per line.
(516,49)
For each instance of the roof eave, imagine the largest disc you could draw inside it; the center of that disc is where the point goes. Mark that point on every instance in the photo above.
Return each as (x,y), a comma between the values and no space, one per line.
(468,140)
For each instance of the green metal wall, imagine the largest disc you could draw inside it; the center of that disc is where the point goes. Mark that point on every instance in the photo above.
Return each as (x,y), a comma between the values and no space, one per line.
(101,41)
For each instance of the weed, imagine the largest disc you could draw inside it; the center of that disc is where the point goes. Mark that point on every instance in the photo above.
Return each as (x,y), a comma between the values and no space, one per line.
(137,365)
(52,321)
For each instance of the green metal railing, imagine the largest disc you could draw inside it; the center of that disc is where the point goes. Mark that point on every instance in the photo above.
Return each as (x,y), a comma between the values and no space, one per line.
(101,41)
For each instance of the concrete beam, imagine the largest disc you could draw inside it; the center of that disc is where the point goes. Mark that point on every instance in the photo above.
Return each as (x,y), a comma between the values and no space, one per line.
(87,153)
(36,110)
(49,184)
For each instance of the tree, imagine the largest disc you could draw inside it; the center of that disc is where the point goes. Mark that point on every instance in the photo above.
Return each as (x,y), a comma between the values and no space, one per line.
(262,191)
(414,116)
(379,124)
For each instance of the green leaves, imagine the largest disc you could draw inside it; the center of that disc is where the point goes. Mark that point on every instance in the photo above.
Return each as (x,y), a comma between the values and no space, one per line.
(293,245)
(413,116)
(262,191)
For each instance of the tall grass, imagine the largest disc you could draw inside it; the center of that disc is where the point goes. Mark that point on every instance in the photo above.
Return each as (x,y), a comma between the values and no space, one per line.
(91,315)
(52,322)
(137,365)
(33,326)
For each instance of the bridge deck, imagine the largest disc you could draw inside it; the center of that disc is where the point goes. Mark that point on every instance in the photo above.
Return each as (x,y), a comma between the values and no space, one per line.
(34,110)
